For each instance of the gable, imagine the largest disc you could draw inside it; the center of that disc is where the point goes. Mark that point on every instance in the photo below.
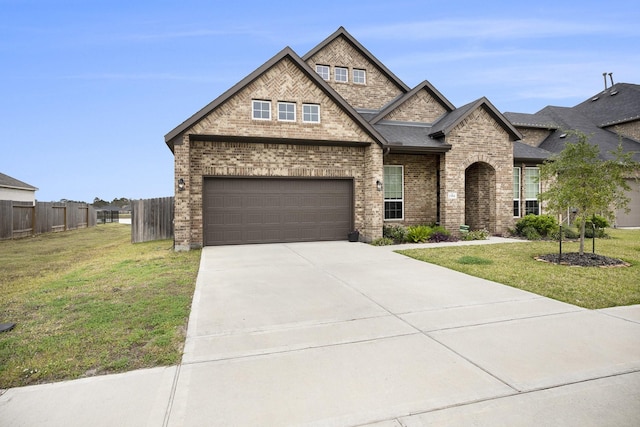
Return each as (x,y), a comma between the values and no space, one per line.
(380,87)
(284,78)
(283,82)
(481,124)
(420,107)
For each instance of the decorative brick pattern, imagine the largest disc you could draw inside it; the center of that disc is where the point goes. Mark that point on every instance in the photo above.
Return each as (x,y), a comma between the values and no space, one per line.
(377,91)
(284,82)
(421,107)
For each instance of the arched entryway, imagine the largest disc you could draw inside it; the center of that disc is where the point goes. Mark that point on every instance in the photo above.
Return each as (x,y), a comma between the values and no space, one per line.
(480,196)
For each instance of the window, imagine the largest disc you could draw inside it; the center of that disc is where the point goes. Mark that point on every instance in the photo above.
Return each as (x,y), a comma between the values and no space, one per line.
(531,191)
(360,77)
(310,113)
(342,74)
(393,192)
(323,71)
(286,111)
(261,110)
(516,192)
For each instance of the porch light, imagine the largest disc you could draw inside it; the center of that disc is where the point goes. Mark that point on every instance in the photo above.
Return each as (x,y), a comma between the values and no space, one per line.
(379,185)
(180,184)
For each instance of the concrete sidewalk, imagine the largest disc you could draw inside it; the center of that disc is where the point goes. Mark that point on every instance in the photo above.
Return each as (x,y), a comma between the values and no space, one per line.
(346,334)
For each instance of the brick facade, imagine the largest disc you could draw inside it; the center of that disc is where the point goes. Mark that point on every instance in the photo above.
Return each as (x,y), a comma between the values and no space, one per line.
(473,180)
(534,137)
(420,187)
(629,129)
(377,91)
(477,140)
(421,107)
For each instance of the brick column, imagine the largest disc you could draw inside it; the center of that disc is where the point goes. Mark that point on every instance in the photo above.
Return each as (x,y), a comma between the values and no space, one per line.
(182,209)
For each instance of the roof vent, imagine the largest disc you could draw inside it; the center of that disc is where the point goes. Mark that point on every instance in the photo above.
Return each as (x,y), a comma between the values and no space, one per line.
(613,92)
(564,135)
(595,98)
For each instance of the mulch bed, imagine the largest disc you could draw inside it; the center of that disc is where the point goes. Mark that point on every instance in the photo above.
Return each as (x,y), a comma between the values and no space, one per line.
(586,260)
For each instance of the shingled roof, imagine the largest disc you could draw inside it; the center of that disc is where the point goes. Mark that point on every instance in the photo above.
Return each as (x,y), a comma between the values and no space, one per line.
(9,182)
(616,105)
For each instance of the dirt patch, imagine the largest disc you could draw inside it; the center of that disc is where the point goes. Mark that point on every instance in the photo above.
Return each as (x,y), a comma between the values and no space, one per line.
(586,260)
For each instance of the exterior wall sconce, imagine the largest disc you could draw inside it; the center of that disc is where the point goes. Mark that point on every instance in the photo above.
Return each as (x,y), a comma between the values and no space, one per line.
(181,184)
(379,185)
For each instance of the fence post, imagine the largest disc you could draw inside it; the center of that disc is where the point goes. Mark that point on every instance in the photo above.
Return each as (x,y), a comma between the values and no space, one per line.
(33,220)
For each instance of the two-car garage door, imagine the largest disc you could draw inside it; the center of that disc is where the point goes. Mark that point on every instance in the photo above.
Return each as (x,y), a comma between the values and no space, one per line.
(274,210)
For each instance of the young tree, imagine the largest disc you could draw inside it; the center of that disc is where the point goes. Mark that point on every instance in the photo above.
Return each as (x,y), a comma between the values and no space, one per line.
(578,179)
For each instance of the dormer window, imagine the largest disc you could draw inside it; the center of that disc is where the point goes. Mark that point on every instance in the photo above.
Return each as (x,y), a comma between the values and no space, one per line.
(342,74)
(323,71)
(360,77)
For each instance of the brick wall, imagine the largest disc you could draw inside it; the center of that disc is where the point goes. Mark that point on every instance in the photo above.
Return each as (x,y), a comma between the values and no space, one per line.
(284,82)
(377,91)
(629,129)
(477,139)
(533,137)
(421,107)
(278,160)
(420,187)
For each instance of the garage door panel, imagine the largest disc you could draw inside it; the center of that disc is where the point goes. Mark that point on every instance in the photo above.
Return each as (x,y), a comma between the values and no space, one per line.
(238,210)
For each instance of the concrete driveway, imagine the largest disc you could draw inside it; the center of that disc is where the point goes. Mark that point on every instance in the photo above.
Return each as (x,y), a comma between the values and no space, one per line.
(346,334)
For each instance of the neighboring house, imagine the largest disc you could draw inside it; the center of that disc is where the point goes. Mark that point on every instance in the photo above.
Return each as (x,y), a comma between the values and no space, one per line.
(313,147)
(13,189)
(609,118)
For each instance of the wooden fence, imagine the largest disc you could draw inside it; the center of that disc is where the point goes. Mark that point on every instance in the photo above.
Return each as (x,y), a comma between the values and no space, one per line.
(22,219)
(151,219)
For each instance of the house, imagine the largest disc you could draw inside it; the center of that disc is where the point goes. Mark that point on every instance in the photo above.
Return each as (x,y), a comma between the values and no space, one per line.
(610,118)
(312,147)
(16,190)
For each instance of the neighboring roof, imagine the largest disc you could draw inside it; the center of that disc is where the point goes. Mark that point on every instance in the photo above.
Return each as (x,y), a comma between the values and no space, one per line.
(341,32)
(443,126)
(618,104)
(527,153)
(572,119)
(410,137)
(537,120)
(172,137)
(402,99)
(8,182)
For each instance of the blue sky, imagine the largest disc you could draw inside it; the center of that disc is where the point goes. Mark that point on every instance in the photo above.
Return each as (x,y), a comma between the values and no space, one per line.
(89,88)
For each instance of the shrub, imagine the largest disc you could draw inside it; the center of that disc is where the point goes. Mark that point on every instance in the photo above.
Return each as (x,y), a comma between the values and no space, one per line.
(544,225)
(530,233)
(441,234)
(418,233)
(395,232)
(482,234)
(382,241)
(598,221)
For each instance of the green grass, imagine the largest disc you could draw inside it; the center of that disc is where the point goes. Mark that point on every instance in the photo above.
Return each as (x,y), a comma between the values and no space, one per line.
(88,302)
(513,264)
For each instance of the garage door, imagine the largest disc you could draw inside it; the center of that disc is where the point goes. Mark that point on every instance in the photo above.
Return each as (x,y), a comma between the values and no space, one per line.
(250,210)
(632,218)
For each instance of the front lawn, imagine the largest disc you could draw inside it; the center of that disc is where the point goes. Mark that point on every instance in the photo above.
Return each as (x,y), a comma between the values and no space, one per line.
(513,264)
(88,302)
